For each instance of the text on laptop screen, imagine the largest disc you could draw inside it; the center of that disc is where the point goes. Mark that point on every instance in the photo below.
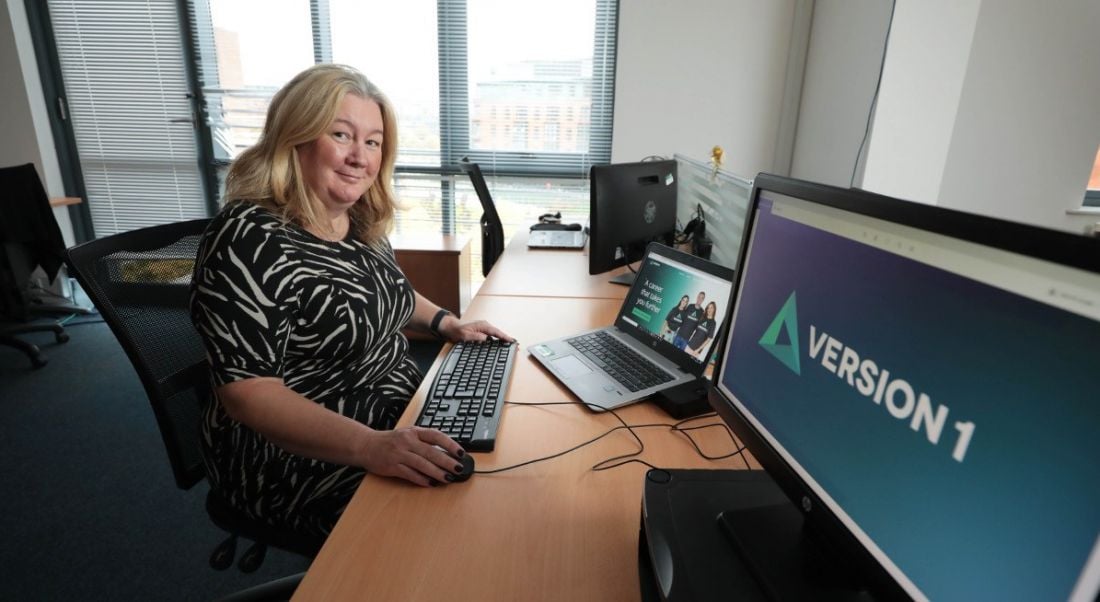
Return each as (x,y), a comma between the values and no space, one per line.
(677,303)
(941,397)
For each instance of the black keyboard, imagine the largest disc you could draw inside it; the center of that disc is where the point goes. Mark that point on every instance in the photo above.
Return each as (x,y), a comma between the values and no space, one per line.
(467,396)
(620,362)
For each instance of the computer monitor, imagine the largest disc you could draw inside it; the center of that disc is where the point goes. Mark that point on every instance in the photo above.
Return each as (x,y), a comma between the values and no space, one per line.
(924,385)
(633,204)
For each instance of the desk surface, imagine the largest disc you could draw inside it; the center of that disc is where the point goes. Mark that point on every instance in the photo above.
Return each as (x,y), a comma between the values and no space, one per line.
(555,530)
(548,273)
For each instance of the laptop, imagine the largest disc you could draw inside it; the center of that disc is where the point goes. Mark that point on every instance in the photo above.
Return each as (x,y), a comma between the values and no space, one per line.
(661,338)
(556,238)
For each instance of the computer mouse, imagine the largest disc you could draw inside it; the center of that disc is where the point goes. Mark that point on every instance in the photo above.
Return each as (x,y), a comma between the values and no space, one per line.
(467,462)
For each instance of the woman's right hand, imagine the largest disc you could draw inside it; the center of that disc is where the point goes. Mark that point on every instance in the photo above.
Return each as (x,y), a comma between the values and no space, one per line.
(419,455)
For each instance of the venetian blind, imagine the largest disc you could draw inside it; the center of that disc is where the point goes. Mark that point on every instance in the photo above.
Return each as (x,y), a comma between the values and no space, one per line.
(125,80)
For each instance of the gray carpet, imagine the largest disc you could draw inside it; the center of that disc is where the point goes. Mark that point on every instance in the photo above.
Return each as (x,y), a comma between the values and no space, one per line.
(88,506)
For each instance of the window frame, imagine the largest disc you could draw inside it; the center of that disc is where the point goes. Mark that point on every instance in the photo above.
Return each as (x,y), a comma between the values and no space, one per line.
(454,106)
(1092,199)
(454,115)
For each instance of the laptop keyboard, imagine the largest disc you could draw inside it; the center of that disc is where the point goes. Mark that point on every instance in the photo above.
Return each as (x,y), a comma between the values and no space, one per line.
(619,361)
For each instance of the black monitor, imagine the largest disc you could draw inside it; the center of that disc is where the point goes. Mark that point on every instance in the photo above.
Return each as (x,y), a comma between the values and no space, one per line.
(633,204)
(924,385)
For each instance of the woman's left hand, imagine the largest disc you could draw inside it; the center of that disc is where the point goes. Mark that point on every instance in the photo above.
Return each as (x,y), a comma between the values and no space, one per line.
(454,330)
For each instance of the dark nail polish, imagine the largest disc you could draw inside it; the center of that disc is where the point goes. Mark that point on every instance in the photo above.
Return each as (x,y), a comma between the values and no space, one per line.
(458,468)
(433,482)
(450,477)
(461,452)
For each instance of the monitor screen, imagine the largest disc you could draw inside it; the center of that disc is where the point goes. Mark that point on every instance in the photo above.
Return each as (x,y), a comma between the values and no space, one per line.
(632,204)
(924,384)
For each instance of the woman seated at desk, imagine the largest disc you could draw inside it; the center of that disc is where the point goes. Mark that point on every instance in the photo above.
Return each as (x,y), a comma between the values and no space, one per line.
(300,305)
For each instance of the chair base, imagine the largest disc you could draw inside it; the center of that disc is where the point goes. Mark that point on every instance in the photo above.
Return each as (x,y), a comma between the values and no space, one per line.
(229,519)
(31,350)
(38,359)
(279,589)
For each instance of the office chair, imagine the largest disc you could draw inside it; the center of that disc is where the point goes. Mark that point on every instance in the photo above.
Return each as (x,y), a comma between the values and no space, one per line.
(140,281)
(29,237)
(492,230)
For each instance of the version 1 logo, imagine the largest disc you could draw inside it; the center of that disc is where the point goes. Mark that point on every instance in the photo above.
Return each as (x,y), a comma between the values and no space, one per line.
(863,374)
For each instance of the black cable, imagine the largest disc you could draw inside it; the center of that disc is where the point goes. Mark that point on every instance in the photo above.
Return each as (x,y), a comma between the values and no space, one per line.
(874,97)
(739,448)
(629,458)
(572,449)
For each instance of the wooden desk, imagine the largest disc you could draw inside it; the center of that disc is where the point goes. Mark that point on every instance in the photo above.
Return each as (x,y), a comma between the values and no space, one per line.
(548,273)
(65,200)
(438,266)
(555,530)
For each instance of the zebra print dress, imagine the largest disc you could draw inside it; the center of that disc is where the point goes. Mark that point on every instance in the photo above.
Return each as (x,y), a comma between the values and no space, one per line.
(270,299)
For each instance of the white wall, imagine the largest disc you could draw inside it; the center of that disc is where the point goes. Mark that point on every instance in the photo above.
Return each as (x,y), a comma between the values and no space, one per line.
(693,74)
(1028,123)
(991,107)
(24,125)
(846,45)
(922,82)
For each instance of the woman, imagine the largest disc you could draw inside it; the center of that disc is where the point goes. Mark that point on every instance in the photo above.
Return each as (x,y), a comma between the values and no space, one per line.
(704,332)
(674,320)
(300,305)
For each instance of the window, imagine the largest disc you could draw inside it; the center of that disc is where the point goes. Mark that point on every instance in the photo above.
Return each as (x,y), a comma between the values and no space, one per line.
(119,83)
(1092,195)
(524,89)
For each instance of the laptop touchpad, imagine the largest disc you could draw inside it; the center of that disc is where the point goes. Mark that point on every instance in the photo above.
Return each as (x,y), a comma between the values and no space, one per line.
(569,366)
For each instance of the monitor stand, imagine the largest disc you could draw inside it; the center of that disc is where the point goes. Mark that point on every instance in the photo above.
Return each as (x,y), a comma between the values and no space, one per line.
(787,562)
(625,279)
(730,534)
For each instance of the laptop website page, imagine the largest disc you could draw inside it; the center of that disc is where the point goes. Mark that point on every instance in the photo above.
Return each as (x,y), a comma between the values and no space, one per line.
(677,308)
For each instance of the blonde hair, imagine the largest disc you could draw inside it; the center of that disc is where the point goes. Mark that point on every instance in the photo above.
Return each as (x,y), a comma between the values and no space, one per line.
(269,173)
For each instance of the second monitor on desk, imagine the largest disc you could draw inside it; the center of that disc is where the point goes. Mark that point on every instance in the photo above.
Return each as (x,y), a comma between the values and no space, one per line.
(632,204)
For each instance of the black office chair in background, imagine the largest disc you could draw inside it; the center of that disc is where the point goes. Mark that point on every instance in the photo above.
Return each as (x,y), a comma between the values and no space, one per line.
(492,230)
(29,238)
(140,281)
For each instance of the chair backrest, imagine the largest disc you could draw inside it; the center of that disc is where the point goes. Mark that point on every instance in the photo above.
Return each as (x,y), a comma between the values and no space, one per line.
(492,230)
(29,237)
(140,282)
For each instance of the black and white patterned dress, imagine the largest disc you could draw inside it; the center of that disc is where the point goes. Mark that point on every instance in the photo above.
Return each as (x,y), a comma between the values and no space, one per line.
(271,299)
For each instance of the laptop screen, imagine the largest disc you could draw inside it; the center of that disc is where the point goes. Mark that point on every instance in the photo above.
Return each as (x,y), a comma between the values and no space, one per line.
(677,304)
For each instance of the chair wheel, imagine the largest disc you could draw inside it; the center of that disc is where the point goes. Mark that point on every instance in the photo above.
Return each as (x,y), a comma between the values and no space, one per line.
(61,337)
(252,558)
(222,557)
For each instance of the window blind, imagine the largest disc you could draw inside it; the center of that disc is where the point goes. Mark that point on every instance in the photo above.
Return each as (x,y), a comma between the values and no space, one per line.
(126,89)
(525,90)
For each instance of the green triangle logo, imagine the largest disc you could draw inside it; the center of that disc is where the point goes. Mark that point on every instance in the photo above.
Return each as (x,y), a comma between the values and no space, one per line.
(787,320)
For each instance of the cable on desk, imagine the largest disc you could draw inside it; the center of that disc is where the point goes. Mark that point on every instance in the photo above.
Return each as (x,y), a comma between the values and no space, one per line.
(632,457)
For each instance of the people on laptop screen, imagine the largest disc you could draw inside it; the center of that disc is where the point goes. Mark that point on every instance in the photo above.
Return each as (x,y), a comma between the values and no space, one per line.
(690,318)
(704,332)
(674,320)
